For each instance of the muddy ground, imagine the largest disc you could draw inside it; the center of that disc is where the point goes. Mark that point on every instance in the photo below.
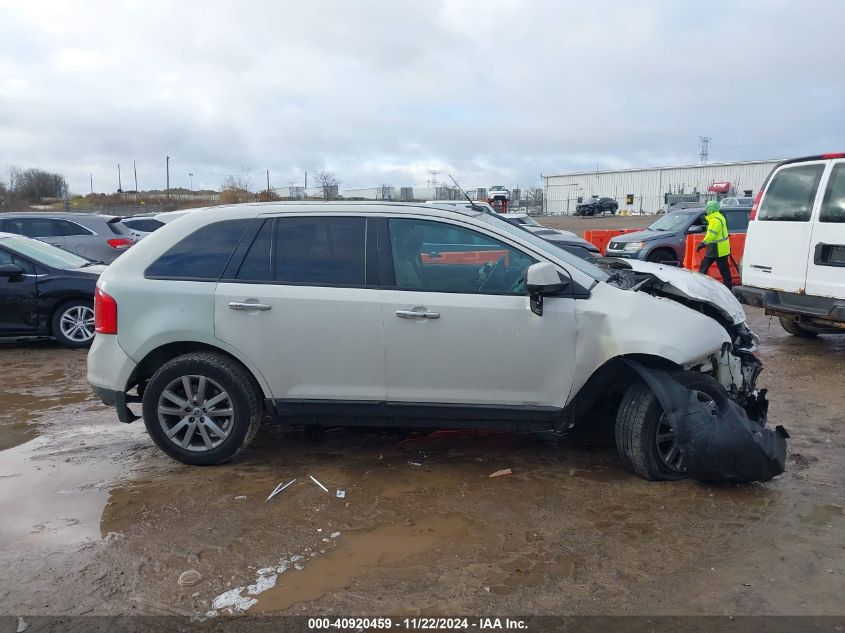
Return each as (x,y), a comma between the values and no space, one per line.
(95,520)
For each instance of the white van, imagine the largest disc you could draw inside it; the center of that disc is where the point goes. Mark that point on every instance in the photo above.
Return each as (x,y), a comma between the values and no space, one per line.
(794,259)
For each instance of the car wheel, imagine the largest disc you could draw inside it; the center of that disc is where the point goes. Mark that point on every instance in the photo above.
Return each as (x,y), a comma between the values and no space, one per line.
(662,257)
(794,328)
(201,408)
(645,439)
(73,323)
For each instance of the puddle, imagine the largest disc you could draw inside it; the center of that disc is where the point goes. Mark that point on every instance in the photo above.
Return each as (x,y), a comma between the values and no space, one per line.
(50,497)
(15,434)
(823,514)
(359,553)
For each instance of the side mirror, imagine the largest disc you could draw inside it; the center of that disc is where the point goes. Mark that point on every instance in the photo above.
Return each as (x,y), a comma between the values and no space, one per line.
(695,228)
(542,279)
(11,271)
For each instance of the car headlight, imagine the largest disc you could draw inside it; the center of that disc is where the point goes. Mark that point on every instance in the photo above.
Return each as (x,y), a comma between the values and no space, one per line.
(633,247)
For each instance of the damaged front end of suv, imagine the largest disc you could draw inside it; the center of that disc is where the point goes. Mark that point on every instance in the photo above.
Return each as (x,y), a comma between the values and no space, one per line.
(687,333)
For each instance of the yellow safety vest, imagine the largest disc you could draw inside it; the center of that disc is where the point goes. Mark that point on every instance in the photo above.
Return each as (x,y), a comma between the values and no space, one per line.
(717,233)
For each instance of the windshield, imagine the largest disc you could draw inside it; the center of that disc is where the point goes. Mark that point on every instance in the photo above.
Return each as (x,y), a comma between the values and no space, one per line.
(671,222)
(542,245)
(45,253)
(528,220)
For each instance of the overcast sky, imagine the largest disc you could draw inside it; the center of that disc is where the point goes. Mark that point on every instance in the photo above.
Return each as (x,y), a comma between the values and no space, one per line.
(492,91)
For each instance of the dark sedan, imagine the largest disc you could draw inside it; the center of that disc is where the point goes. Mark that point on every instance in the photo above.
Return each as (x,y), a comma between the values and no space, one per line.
(46,291)
(595,206)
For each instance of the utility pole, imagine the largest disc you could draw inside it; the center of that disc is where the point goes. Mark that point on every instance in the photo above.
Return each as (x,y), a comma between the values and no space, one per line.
(92,184)
(268,182)
(135,169)
(191,176)
(119,184)
(168,177)
(304,193)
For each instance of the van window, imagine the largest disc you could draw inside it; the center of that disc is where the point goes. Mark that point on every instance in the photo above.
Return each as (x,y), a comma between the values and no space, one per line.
(791,194)
(833,206)
(202,255)
(320,251)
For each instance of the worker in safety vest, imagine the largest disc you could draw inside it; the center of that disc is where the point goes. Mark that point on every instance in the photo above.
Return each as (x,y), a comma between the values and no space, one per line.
(717,242)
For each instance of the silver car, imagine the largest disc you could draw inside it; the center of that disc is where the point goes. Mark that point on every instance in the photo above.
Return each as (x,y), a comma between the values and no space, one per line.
(96,237)
(399,314)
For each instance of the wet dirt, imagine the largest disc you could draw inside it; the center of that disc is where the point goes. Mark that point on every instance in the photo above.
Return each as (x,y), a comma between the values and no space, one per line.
(95,520)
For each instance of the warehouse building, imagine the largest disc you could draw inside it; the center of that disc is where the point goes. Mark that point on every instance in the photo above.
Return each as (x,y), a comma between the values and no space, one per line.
(653,189)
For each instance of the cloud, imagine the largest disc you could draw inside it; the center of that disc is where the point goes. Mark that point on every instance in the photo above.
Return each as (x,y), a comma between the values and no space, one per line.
(494,92)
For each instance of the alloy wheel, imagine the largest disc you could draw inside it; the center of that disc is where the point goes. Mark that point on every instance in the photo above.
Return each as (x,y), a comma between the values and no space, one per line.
(77,323)
(195,413)
(666,443)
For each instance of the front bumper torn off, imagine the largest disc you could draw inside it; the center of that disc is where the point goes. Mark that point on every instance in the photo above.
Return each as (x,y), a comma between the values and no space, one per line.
(721,445)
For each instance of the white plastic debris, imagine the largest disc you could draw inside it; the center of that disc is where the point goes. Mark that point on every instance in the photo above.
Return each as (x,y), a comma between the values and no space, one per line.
(240,498)
(279,488)
(340,494)
(190,578)
(335,534)
(23,625)
(318,483)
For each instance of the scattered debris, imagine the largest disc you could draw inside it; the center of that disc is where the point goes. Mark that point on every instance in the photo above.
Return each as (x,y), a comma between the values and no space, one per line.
(335,534)
(22,625)
(279,488)
(415,464)
(340,494)
(409,523)
(190,578)
(240,498)
(499,473)
(318,483)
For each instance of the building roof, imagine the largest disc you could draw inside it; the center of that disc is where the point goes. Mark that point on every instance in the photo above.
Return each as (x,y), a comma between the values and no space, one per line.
(636,169)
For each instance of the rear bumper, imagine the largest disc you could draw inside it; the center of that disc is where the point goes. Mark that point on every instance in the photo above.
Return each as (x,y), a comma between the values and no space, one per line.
(789,304)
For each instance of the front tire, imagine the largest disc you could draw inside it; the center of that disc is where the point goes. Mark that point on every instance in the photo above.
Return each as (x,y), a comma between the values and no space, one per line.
(645,438)
(73,323)
(201,408)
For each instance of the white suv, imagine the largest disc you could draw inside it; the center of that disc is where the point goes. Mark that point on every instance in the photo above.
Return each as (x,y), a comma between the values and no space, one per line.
(794,259)
(347,313)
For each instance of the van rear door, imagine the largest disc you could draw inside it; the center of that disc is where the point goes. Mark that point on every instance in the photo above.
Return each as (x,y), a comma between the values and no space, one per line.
(778,242)
(826,266)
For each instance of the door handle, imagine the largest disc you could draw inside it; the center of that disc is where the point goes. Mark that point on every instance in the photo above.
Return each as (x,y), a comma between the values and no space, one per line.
(246,305)
(417,314)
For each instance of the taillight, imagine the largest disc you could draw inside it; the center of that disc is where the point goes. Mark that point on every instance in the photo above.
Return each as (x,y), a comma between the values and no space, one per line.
(105,313)
(826,156)
(120,243)
(756,204)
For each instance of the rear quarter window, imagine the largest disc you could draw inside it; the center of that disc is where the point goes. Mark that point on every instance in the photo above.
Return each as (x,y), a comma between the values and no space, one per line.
(791,194)
(202,255)
(737,219)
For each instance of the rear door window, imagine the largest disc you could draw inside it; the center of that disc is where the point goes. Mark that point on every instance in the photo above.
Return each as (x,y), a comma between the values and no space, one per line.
(833,205)
(737,219)
(320,251)
(791,194)
(202,255)
(69,228)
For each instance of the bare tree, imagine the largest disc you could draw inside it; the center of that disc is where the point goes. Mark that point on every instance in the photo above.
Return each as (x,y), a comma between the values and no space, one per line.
(4,194)
(385,192)
(328,182)
(33,185)
(234,189)
(235,182)
(534,195)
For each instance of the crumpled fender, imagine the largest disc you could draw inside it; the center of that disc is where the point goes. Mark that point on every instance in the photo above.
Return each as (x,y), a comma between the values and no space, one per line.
(718,446)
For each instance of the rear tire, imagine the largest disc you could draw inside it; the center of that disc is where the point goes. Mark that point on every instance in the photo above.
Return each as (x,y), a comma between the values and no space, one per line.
(794,328)
(73,323)
(640,418)
(202,408)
